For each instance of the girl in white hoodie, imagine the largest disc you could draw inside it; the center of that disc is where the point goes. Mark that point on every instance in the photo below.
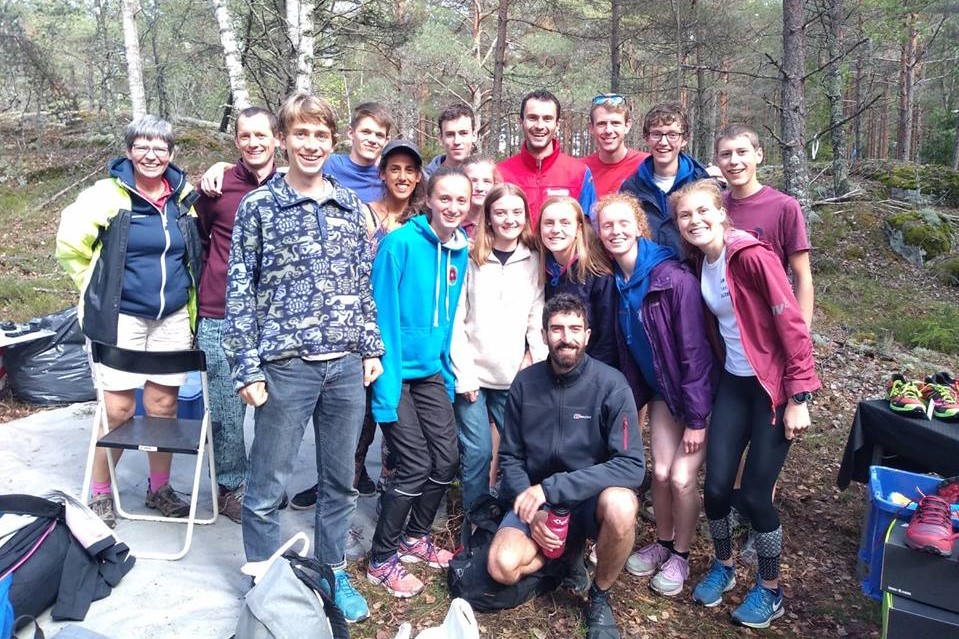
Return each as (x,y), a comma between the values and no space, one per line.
(498,328)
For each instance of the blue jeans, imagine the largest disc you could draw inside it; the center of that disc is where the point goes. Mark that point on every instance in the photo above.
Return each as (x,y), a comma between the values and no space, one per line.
(331,393)
(227,410)
(476,444)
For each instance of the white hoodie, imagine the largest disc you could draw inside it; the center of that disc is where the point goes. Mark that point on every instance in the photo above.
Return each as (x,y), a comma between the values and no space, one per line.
(499,314)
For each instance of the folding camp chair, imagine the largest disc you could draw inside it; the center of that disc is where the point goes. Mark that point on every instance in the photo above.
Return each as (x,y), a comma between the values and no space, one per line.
(154,434)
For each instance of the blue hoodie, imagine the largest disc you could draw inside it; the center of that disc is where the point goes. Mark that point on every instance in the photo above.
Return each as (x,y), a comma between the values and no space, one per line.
(631,294)
(661,226)
(416,285)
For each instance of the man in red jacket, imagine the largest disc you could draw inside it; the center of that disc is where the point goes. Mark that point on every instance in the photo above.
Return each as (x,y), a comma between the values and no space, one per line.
(610,120)
(540,168)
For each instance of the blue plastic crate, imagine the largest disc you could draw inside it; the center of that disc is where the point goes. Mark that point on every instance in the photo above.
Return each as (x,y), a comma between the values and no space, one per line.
(883,511)
(189,401)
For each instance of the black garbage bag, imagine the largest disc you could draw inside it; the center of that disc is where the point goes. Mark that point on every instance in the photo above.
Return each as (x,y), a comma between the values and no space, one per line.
(54,369)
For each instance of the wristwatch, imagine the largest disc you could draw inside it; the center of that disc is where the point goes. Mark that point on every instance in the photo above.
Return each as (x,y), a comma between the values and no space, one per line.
(802,398)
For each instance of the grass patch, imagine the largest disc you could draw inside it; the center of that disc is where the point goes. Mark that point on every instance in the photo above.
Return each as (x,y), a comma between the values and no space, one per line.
(936,329)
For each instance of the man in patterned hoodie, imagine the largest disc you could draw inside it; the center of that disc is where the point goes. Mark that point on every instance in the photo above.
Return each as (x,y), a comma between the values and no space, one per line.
(301,337)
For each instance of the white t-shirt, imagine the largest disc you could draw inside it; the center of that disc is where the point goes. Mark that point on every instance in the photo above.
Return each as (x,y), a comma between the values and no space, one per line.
(716,293)
(664,182)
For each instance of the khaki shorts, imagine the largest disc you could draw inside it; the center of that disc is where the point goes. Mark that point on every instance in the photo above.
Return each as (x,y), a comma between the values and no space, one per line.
(172,333)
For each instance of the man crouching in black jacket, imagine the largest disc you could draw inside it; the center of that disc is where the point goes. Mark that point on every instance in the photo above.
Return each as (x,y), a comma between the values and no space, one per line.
(571,441)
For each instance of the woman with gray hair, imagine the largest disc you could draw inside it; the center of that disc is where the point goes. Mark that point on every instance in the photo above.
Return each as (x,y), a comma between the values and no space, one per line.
(130,243)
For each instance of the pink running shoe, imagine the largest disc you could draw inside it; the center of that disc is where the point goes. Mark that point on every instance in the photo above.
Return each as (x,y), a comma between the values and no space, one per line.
(392,575)
(931,527)
(424,550)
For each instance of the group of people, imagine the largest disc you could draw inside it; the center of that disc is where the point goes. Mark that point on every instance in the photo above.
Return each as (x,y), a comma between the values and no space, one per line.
(503,323)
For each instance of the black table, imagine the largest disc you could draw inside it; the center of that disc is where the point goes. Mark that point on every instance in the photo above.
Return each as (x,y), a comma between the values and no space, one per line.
(925,445)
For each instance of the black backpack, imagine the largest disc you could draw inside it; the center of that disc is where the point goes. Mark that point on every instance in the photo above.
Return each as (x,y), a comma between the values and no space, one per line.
(468,577)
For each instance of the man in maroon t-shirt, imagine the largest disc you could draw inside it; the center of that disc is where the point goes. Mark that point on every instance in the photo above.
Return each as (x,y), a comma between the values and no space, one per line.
(255,137)
(610,119)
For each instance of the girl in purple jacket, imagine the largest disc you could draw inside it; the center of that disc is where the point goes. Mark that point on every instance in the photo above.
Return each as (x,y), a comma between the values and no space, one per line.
(669,364)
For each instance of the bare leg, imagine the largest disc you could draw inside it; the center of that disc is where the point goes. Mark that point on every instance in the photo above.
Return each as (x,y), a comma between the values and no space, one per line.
(494,463)
(512,556)
(616,512)
(119,407)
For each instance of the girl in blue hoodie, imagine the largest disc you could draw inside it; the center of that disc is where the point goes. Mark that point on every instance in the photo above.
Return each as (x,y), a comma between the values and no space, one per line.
(417,277)
(669,364)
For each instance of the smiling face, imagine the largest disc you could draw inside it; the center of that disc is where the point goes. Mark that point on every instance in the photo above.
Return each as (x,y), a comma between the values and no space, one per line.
(255,141)
(483,178)
(665,151)
(609,129)
(702,222)
(367,139)
(449,201)
(458,138)
(558,228)
(308,144)
(737,158)
(401,175)
(566,337)
(539,124)
(150,158)
(618,229)
(507,220)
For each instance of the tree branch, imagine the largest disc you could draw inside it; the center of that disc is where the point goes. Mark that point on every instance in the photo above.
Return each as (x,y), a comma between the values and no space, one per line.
(835,58)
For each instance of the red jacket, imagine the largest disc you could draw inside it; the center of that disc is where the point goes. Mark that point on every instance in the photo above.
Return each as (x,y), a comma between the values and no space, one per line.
(556,174)
(775,336)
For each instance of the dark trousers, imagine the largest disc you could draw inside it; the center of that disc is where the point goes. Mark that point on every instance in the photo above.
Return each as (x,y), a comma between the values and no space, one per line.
(423,445)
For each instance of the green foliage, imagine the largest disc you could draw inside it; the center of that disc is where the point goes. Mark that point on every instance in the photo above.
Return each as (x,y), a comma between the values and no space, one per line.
(947,270)
(925,229)
(936,328)
(933,180)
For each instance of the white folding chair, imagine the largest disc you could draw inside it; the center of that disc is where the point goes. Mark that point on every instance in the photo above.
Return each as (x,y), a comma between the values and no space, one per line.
(154,434)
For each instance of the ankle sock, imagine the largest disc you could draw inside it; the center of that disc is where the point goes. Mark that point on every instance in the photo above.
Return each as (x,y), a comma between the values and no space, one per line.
(100,488)
(668,545)
(158,481)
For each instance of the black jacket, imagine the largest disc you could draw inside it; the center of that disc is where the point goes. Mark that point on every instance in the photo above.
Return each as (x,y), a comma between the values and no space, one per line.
(576,434)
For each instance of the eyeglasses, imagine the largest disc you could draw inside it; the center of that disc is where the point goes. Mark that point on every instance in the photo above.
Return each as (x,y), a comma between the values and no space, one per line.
(609,98)
(144,150)
(656,136)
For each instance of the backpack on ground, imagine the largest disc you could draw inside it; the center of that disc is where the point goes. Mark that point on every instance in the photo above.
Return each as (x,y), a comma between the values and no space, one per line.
(468,577)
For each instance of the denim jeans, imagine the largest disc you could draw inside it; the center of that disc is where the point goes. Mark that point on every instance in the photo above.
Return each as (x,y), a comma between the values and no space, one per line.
(476,444)
(227,410)
(331,393)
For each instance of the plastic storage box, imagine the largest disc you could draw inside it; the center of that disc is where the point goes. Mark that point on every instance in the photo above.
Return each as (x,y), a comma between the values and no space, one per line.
(883,482)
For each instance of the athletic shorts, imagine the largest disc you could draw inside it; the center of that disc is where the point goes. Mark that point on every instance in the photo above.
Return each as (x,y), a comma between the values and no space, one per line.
(582,521)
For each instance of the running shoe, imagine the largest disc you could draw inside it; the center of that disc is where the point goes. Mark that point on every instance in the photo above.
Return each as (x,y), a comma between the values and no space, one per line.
(718,580)
(348,599)
(647,560)
(671,577)
(392,575)
(930,529)
(761,607)
(942,396)
(905,396)
(423,550)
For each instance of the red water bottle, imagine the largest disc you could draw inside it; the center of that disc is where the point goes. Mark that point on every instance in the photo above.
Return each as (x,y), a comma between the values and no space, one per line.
(557,520)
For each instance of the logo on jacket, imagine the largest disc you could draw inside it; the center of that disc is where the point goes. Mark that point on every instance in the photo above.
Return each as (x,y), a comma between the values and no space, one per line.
(453,276)
(581,416)
(557,192)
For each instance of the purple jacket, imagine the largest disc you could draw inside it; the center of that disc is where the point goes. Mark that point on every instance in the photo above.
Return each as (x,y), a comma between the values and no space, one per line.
(682,357)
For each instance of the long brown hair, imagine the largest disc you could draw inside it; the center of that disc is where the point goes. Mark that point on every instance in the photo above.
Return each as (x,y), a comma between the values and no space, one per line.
(483,242)
(588,258)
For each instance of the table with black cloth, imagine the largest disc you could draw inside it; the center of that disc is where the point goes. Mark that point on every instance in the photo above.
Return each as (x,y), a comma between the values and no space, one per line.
(923,445)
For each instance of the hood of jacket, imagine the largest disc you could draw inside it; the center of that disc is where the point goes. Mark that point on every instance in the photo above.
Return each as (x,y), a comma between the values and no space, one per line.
(122,169)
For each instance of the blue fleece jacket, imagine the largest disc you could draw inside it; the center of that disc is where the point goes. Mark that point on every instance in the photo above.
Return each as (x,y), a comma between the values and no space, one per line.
(631,294)
(416,285)
(661,226)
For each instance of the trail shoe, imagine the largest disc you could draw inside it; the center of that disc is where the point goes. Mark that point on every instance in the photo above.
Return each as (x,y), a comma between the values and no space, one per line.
(167,502)
(905,396)
(949,489)
(349,600)
(647,560)
(719,579)
(942,397)
(671,577)
(424,550)
(600,621)
(230,503)
(355,544)
(393,576)
(304,499)
(102,507)
(761,607)
(930,529)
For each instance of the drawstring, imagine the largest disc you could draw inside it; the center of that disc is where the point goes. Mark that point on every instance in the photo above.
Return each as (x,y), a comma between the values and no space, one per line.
(439,274)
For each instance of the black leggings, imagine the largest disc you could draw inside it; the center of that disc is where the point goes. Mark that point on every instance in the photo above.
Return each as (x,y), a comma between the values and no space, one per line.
(742,414)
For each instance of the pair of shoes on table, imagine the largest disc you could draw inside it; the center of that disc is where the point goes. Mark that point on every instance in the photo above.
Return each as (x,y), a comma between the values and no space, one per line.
(230,503)
(167,502)
(905,396)
(941,391)
(930,529)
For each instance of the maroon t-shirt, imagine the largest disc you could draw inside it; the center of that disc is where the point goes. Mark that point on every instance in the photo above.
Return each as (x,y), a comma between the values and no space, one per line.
(772,216)
(216,217)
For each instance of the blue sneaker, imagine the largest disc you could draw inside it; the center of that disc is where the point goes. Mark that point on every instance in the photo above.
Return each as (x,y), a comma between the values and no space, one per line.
(718,580)
(760,607)
(350,601)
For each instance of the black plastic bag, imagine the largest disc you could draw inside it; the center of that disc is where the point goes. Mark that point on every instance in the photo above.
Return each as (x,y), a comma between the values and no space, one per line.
(54,369)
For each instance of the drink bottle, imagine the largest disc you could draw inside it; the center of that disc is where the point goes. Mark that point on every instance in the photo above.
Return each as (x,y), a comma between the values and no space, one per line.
(557,520)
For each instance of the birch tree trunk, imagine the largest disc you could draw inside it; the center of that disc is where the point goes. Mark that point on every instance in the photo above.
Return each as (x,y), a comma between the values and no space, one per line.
(299,19)
(231,53)
(499,64)
(907,67)
(131,42)
(833,85)
(793,69)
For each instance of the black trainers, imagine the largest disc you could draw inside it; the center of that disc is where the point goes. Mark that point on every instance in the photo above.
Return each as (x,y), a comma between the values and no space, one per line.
(600,621)
(365,485)
(304,499)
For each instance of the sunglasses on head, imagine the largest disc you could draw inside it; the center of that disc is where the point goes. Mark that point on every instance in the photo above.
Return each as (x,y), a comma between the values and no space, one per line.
(609,98)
